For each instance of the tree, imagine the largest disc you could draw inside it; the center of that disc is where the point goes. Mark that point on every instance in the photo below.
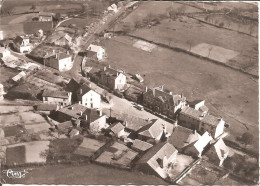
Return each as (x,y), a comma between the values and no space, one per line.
(33,7)
(57,16)
(247,138)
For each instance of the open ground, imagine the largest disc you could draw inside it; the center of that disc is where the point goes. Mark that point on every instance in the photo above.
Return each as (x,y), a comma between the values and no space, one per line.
(228,93)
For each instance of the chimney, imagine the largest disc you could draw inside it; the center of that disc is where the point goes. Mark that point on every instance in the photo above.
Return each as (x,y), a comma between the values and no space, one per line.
(86,118)
(80,90)
(71,108)
(146,89)
(81,113)
(105,68)
(170,93)
(79,102)
(117,73)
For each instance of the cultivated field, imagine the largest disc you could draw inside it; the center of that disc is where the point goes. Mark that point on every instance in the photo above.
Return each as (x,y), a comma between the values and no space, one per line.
(228,93)
(87,174)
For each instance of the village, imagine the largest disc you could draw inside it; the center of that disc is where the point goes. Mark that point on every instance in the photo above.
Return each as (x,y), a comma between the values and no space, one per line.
(63,102)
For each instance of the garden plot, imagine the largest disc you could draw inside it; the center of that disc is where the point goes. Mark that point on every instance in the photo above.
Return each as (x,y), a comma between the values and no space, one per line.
(36,128)
(118,155)
(143,45)
(7,109)
(214,52)
(22,118)
(30,152)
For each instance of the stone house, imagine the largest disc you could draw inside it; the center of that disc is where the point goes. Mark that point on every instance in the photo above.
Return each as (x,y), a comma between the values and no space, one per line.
(61,98)
(163,102)
(59,61)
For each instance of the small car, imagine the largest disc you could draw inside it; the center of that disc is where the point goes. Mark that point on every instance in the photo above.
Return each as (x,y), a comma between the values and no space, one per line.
(139,107)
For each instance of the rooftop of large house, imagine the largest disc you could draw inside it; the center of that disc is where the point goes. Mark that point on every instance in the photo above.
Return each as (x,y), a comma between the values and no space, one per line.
(182,136)
(132,122)
(74,110)
(141,145)
(160,150)
(219,149)
(85,88)
(206,118)
(159,93)
(203,142)
(108,71)
(55,94)
(156,127)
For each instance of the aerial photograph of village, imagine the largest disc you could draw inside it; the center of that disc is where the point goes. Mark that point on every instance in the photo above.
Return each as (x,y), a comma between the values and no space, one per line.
(129,92)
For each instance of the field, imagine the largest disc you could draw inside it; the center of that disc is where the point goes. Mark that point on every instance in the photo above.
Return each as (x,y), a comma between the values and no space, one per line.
(7,74)
(83,174)
(228,93)
(79,22)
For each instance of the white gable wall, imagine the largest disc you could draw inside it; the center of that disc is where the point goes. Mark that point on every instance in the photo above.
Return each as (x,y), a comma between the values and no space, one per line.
(91,99)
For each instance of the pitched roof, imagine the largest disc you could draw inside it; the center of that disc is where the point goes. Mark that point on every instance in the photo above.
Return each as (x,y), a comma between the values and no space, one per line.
(74,110)
(45,14)
(156,128)
(73,85)
(94,48)
(64,126)
(163,96)
(55,94)
(203,141)
(117,127)
(92,115)
(158,151)
(182,136)
(85,88)
(60,56)
(141,145)
(191,112)
(132,122)
(194,102)
(211,120)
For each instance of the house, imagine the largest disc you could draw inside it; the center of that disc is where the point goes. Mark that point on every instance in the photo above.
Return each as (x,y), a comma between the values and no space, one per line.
(100,52)
(156,130)
(59,61)
(45,16)
(199,105)
(182,137)
(22,44)
(91,119)
(64,127)
(63,40)
(196,149)
(2,92)
(113,8)
(40,33)
(139,78)
(46,108)
(163,102)
(117,129)
(113,79)
(4,52)
(141,146)
(158,159)
(217,153)
(197,120)
(61,98)
(88,97)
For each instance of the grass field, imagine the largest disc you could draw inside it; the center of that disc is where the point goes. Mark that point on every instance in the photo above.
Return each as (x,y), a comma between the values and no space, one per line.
(228,93)
(79,22)
(84,174)
(187,33)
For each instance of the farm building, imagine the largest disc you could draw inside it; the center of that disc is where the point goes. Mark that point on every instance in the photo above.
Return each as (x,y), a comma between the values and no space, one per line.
(197,120)
(100,52)
(45,16)
(60,98)
(158,159)
(196,149)
(182,137)
(141,146)
(59,61)
(117,129)
(156,130)
(19,76)
(113,79)
(22,44)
